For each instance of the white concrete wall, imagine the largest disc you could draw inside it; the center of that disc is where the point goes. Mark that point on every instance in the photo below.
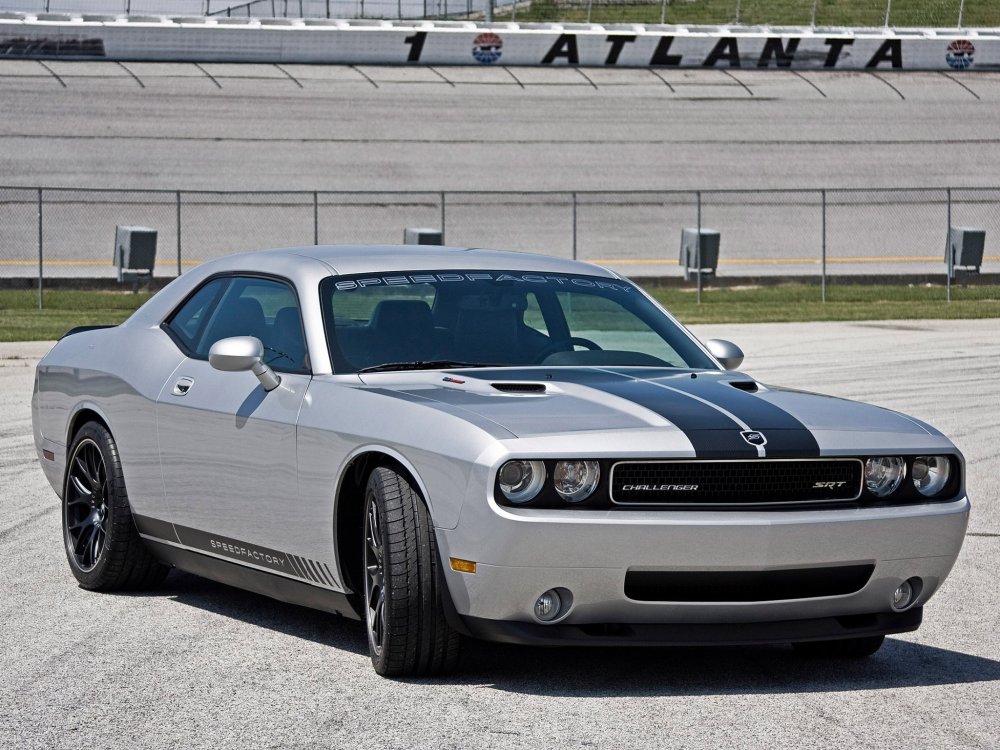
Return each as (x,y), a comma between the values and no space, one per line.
(466,43)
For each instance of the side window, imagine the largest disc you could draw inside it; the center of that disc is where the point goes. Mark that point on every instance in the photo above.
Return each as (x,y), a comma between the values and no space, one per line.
(188,323)
(264,308)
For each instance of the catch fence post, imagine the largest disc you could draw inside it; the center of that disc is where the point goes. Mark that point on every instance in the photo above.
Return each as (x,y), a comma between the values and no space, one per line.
(315,217)
(40,248)
(697,252)
(442,219)
(178,196)
(947,248)
(823,245)
(574,225)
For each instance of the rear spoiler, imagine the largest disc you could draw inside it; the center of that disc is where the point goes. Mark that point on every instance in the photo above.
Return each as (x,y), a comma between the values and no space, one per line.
(81,329)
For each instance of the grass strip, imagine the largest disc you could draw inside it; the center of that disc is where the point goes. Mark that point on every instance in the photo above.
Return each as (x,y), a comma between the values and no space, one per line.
(856,13)
(21,320)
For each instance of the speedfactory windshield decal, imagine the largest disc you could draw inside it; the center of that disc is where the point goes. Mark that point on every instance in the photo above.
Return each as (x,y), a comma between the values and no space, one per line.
(535,279)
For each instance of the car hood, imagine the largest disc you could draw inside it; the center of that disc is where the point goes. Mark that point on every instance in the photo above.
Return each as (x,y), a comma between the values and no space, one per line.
(721,414)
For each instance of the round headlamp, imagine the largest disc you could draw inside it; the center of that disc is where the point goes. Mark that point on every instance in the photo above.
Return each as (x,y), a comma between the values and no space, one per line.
(520,481)
(930,474)
(883,474)
(575,481)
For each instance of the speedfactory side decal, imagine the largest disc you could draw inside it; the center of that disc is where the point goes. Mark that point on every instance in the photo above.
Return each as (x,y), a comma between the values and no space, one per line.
(236,551)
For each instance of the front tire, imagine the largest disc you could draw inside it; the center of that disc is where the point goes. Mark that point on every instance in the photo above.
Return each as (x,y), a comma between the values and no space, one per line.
(847,648)
(408,634)
(104,549)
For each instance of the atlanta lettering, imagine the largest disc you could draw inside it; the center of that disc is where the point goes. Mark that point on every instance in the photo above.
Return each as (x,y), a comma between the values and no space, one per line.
(726,52)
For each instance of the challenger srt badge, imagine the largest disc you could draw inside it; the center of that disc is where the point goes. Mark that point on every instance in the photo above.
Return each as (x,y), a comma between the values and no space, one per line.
(754,438)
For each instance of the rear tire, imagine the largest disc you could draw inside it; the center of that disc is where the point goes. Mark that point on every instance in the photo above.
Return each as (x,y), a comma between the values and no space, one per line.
(408,634)
(848,648)
(104,549)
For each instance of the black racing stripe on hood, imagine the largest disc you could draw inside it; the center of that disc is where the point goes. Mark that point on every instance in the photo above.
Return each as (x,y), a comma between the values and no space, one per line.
(786,436)
(712,433)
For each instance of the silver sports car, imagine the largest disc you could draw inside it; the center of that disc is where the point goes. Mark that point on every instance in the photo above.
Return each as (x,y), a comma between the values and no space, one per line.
(450,442)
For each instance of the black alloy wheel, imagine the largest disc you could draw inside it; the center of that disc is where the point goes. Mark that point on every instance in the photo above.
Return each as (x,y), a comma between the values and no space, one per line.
(104,549)
(408,634)
(86,505)
(374,580)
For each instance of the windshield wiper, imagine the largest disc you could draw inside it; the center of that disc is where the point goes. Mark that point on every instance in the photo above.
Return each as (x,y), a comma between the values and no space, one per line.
(431,364)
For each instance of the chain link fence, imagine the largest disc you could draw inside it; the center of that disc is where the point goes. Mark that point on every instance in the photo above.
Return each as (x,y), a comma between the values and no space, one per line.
(818,13)
(822,237)
(833,13)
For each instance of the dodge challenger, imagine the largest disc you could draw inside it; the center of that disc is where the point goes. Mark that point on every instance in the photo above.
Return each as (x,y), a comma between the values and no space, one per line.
(448,443)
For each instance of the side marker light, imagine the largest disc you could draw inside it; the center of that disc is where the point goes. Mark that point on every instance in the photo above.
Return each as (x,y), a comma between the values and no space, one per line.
(462,566)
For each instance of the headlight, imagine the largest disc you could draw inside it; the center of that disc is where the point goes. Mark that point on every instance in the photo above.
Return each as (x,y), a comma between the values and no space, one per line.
(930,474)
(520,481)
(575,481)
(883,474)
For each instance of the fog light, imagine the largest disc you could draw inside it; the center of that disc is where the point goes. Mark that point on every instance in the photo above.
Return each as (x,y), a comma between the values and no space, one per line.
(549,605)
(906,594)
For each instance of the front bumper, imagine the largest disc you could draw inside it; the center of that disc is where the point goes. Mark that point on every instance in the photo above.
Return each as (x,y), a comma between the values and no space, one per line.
(522,553)
(682,634)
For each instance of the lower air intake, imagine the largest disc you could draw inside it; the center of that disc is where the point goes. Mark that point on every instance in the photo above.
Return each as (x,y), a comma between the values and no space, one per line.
(745,585)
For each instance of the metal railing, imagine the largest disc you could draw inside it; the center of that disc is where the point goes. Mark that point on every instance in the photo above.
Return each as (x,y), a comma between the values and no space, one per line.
(816,235)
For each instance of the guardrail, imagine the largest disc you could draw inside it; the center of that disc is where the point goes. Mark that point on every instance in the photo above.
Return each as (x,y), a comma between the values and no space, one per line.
(813,235)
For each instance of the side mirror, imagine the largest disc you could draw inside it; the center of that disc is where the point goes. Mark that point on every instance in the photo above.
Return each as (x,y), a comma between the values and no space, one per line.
(729,355)
(242,353)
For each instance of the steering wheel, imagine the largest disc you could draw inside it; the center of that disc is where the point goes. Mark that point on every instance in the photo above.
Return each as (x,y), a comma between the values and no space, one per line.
(563,345)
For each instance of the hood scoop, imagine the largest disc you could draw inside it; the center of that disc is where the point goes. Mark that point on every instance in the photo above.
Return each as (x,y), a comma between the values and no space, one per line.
(520,387)
(745,385)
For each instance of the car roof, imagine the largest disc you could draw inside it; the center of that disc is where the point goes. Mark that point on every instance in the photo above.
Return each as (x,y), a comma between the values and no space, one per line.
(306,266)
(353,259)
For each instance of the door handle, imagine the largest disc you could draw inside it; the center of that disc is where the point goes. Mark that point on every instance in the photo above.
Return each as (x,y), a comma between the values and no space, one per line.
(182,386)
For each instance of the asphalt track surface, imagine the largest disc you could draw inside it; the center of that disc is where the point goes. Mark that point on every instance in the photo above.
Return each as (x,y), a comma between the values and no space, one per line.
(300,127)
(201,665)
(367,128)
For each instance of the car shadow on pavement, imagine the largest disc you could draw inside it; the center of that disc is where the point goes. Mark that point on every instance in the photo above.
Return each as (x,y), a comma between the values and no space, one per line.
(300,622)
(604,671)
(723,670)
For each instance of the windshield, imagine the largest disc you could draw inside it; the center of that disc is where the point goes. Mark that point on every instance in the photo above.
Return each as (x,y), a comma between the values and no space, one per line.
(443,319)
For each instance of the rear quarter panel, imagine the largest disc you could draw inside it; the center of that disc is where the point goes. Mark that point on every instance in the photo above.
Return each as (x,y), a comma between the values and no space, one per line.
(118,374)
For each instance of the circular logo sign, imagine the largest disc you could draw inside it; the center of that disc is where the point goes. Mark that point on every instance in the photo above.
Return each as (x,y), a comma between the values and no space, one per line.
(488,47)
(960,54)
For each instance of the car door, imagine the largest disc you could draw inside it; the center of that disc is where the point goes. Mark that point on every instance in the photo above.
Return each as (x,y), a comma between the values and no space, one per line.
(227,446)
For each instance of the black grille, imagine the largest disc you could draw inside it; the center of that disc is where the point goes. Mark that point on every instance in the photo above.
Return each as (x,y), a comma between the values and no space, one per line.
(745,585)
(735,483)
